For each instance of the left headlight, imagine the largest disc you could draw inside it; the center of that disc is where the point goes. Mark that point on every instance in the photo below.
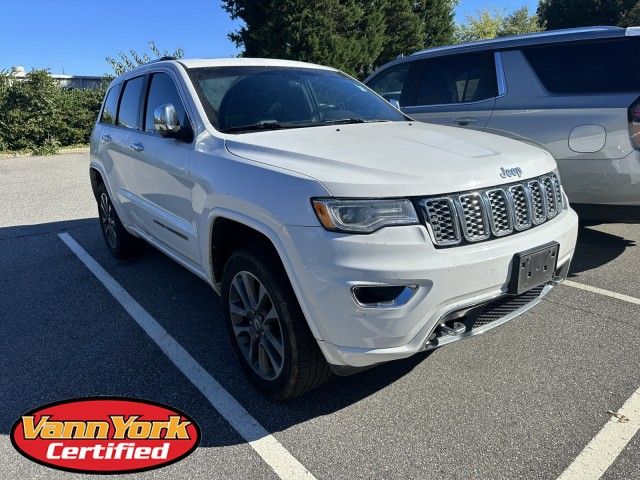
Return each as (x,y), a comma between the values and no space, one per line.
(363,216)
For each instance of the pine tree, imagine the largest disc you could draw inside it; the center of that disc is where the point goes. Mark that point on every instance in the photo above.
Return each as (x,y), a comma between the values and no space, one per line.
(579,13)
(438,19)
(346,34)
(404,30)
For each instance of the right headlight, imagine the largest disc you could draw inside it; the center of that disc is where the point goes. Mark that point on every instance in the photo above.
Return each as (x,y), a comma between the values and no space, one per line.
(363,216)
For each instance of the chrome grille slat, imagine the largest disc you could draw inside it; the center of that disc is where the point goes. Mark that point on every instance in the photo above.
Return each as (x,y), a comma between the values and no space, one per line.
(473,216)
(501,217)
(539,202)
(441,215)
(521,207)
(493,212)
(550,195)
(557,190)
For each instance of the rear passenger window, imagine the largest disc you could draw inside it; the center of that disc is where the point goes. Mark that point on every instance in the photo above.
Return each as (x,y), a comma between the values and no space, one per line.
(578,68)
(110,106)
(129,111)
(162,91)
(390,82)
(457,79)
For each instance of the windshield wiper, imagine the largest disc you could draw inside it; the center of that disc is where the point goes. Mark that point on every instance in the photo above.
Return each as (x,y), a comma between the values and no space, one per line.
(255,126)
(344,121)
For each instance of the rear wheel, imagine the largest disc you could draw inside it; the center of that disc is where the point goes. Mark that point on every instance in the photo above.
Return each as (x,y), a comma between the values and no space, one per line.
(120,243)
(267,328)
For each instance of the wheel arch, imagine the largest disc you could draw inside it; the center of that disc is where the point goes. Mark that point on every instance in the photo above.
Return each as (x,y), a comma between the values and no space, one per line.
(225,218)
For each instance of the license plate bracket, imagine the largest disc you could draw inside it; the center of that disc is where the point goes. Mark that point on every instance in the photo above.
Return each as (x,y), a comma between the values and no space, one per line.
(533,268)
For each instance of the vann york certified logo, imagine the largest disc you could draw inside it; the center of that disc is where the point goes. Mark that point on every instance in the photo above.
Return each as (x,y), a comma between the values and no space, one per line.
(105,435)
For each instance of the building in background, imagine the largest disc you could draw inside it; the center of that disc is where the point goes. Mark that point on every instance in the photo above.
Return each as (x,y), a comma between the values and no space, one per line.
(84,82)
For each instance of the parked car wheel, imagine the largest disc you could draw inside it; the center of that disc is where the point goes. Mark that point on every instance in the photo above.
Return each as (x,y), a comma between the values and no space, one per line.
(267,328)
(120,243)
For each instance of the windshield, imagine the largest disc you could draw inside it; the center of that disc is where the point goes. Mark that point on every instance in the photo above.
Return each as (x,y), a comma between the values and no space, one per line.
(244,99)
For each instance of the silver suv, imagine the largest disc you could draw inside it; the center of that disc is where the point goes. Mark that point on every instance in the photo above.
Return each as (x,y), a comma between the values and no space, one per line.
(574,92)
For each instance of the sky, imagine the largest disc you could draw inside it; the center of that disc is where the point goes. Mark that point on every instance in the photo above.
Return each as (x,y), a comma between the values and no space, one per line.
(74,37)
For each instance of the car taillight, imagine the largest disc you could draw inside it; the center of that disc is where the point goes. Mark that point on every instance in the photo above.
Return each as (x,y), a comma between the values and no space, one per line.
(634,123)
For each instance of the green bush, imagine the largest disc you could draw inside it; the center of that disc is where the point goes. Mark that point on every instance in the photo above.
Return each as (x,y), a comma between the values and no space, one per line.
(37,115)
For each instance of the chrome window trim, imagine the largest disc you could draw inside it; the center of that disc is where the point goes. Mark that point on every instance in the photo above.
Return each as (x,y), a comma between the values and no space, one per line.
(500,75)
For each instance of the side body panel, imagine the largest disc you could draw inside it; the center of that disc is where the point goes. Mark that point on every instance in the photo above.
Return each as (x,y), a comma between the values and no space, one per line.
(588,135)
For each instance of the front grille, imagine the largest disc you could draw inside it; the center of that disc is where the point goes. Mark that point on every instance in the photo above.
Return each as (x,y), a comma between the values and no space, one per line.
(470,217)
(504,306)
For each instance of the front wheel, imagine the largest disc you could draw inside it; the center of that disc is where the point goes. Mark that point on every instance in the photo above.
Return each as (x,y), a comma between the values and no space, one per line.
(267,328)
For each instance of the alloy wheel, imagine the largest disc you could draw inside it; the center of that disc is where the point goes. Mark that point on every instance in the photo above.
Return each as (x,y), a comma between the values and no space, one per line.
(108,220)
(256,325)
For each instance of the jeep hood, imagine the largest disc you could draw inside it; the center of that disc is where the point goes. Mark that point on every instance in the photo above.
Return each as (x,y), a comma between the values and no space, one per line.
(393,159)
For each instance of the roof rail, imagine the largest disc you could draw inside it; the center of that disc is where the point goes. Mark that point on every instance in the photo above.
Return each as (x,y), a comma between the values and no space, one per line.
(529,36)
(161,59)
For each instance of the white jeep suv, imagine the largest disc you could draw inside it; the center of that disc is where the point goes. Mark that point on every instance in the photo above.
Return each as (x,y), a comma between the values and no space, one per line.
(339,233)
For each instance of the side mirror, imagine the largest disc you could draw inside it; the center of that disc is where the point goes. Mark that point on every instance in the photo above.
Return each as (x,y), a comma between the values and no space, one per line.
(165,120)
(394,103)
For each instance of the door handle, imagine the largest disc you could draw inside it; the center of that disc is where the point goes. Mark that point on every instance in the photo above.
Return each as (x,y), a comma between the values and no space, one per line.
(138,147)
(106,138)
(464,121)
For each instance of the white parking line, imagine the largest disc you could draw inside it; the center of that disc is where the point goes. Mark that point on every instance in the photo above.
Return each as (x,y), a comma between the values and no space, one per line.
(601,291)
(604,448)
(285,465)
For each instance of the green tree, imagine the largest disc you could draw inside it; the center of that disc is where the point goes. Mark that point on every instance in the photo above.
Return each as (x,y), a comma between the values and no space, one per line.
(579,13)
(131,60)
(347,34)
(404,30)
(487,24)
(520,21)
(484,24)
(438,20)
(631,17)
(31,117)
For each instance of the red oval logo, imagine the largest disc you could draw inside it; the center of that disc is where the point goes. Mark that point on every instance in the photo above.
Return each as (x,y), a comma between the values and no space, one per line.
(105,435)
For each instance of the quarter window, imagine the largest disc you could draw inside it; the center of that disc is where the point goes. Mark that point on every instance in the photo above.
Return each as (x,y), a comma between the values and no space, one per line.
(110,106)
(457,79)
(129,111)
(592,67)
(162,91)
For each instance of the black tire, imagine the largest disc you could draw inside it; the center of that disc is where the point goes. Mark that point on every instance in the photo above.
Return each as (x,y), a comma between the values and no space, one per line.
(120,243)
(304,367)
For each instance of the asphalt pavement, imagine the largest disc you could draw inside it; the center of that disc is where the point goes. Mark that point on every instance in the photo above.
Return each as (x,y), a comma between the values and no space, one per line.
(521,401)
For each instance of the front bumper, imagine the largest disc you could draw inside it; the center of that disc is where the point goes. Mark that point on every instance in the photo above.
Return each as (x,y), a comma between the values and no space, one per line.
(325,266)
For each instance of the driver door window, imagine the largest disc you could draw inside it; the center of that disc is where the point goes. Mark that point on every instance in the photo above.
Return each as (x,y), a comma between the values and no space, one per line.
(162,90)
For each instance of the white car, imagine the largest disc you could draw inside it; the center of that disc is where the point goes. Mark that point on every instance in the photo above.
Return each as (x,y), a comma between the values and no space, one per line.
(339,233)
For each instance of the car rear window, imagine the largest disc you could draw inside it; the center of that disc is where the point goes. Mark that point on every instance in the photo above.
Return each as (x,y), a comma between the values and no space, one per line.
(110,106)
(593,67)
(129,111)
